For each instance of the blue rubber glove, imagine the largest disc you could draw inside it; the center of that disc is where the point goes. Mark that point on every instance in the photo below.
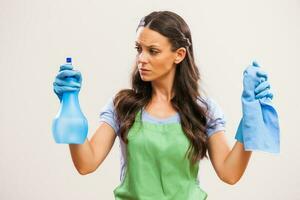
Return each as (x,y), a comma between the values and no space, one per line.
(255,83)
(259,127)
(262,89)
(67,80)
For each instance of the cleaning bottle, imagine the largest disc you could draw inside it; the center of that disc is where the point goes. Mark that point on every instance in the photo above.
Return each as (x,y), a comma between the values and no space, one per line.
(70,125)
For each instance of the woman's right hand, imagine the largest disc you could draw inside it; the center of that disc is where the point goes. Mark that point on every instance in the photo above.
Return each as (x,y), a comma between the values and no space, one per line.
(67,80)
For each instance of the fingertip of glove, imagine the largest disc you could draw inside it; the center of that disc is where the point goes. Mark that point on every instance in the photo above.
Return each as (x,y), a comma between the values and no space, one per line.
(255,63)
(65,67)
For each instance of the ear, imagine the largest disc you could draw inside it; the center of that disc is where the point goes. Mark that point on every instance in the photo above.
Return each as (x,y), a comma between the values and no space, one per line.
(179,55)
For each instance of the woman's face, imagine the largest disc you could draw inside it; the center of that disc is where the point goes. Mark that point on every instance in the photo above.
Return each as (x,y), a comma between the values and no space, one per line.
(154,54)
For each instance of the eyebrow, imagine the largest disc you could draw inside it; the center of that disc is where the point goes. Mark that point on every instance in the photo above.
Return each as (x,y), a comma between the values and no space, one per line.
(152,45)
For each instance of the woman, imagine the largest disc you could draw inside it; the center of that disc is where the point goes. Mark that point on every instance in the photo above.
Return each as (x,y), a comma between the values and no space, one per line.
(164,124)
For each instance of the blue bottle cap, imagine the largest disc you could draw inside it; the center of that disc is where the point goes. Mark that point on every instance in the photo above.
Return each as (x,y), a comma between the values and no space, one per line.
(69,60)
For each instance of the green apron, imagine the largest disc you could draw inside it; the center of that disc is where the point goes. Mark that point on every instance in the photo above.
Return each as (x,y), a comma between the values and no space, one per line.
(156,165)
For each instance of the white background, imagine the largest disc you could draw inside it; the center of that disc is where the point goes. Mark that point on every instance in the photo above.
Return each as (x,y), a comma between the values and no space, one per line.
(36,36)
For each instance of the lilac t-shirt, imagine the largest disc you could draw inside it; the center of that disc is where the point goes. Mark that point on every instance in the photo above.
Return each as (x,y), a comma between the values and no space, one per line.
(215,124)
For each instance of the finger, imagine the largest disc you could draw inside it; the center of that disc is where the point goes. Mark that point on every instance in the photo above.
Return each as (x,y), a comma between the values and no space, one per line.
(65,82)
(78,76)
(72,85)
(62,89)
(262,86)
(67,73)
(263,74)
(262,94)
(66,66)
(54,88)
(270,95)
(260,80)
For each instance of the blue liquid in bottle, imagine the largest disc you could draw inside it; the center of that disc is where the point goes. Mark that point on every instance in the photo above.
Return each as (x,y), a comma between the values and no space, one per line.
(70,125)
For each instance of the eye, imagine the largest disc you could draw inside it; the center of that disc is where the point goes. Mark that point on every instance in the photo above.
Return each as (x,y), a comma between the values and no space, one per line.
(153,52)
(138,48)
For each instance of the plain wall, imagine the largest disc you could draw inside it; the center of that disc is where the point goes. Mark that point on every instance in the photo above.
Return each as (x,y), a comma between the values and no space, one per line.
(36,36)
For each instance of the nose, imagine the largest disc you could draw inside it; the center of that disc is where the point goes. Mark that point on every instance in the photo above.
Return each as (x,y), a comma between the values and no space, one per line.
(142,58)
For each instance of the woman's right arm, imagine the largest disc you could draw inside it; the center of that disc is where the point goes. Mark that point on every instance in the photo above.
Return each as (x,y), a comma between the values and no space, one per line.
(88,156)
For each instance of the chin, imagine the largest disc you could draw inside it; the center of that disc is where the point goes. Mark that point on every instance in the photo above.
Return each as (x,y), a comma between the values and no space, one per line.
(144,78)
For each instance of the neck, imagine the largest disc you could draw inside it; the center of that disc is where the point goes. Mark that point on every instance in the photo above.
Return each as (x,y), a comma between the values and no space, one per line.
(162,89)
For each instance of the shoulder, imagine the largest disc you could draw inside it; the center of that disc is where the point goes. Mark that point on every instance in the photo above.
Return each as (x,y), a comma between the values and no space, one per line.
(208,103)
(108,114)
(215,117)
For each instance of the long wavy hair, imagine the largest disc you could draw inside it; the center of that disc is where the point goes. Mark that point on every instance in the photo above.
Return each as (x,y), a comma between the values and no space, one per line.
(193,117)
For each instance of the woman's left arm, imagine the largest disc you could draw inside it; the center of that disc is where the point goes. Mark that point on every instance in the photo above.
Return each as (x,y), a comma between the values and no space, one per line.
(229,165)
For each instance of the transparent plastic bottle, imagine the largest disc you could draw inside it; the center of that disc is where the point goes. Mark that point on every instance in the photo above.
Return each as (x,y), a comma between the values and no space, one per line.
(70,125)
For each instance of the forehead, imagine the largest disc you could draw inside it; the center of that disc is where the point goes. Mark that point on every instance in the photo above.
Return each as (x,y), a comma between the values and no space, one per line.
(148,37)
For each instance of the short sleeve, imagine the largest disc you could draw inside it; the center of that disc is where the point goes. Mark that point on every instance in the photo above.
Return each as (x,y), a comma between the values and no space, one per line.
(216,120)
(108,115)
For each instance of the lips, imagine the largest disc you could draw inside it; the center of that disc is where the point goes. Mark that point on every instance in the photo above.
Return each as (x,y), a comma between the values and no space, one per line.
(144,69)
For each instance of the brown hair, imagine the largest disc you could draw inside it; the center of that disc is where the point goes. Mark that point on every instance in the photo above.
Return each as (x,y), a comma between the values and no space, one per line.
(193,117)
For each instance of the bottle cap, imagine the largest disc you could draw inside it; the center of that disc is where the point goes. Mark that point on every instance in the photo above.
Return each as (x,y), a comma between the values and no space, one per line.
(69,60)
